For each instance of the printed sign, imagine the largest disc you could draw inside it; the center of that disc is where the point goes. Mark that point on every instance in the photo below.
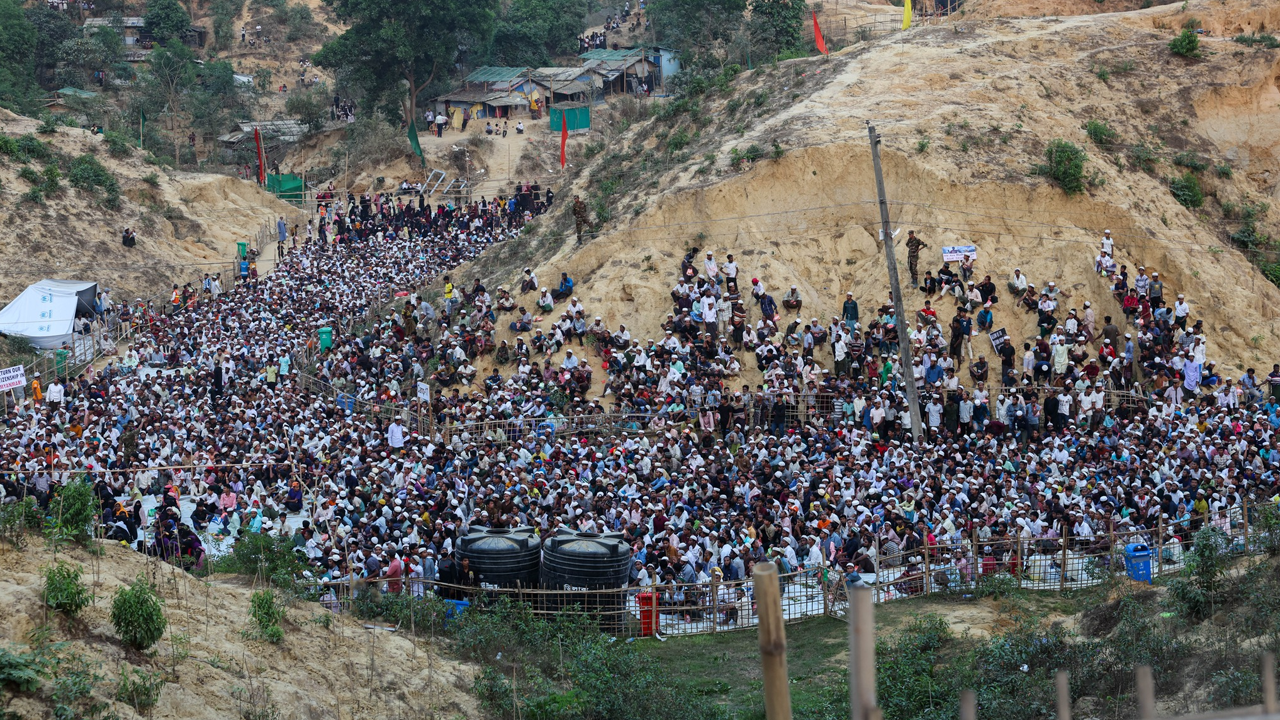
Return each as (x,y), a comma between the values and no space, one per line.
(424,391)
(13,377)
(998,338)
(956,253)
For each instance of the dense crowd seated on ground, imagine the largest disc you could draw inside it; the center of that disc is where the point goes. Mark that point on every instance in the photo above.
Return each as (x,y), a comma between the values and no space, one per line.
(228,414)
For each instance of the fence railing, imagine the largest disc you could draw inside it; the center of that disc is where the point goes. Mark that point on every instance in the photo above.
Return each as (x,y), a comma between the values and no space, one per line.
(1059,564)
(666,608)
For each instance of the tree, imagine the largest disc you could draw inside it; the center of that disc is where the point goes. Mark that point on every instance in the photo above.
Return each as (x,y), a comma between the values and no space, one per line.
(53,28)
(776,25)
(218,100)
(695,25)
(530,32)
(166,20)
(395,51)
(82,56)
(17,56)
(172,75)
(311,107)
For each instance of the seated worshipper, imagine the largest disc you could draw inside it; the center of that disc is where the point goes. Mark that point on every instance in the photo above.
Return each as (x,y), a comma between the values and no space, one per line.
(791,299)
(523,321)
(546,303)
(530,281)
(565,289)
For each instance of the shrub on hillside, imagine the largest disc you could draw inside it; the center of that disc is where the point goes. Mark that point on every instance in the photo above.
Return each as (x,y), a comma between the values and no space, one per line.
(1186,190)
(63,589)
(1100,132)
(1187,44)
(137,614)
(1064,164)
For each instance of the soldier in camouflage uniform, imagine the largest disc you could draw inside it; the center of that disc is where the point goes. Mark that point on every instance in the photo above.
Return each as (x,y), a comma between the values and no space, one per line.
(580,217)
(914,244)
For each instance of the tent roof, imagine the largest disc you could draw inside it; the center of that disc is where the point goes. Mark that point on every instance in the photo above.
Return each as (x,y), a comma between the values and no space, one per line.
(602,54)
(77,92)
(496,74)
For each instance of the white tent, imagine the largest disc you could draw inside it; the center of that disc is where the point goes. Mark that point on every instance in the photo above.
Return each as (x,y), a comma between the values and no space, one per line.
(45,312)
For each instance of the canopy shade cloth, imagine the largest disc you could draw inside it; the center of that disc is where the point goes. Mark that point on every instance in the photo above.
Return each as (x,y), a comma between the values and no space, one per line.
(45,312)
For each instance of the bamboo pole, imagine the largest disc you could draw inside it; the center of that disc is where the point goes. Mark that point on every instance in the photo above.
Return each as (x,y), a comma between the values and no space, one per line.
(862,655)
(1062,571)
(1063,685)
(1269,704)
(1146,693)
(968,705)
(773,642)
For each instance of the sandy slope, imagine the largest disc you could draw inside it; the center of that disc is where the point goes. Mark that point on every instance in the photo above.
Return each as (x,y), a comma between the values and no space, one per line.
(342,672)
(987,97)
(72,237)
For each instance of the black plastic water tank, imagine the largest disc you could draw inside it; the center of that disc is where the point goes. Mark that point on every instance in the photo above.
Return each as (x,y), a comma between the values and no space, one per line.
(591,563)
(503,557)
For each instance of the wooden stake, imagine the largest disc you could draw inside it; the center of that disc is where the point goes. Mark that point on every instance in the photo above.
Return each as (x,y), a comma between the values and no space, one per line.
(1269,704)
(1064,695)
(773,642)
(1146,693)
(862,655)
(968,705)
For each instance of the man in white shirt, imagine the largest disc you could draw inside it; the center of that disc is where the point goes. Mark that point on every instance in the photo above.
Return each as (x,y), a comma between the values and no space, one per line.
(730,272)
(709,314)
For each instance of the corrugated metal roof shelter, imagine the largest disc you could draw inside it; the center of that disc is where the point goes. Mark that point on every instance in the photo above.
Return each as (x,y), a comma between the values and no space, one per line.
(602,54)
(278,130)
(129,22)
(496,74)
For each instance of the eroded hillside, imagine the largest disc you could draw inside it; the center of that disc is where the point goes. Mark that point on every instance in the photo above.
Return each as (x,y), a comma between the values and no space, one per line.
(187,223)
(966,110)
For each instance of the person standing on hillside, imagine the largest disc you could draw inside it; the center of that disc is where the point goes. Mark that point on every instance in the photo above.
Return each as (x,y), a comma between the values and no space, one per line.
(914,245)
(580,217)
(282,230)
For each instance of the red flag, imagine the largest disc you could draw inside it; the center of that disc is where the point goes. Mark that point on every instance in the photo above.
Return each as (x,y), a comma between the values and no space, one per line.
(262,161)
(564,136)
(817,35)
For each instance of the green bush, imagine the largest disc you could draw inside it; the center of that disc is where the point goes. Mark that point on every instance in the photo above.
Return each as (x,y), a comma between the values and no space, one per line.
(1064,165)
(1187,44)
(31,146)
(1143,157)
(1186,190)
(264,556)
(1263,39)
(35,196)
(1266,526)
(1191,161)
(63,589)
(18,518)
(267,613)
(137,614)
(73,513)
(1100,132)
(21,671)
(677,140)
(49,125)
(139,688)
(30,175)
(88,174)
(8,146)
(118,146)
(151,179)
(1196,592)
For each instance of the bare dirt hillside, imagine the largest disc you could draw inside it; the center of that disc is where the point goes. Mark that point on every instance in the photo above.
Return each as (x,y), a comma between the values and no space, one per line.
(187,223)
(966,111)
(340,671)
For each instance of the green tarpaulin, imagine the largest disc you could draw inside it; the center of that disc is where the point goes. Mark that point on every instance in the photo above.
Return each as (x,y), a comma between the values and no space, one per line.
(579,117)
(290,188)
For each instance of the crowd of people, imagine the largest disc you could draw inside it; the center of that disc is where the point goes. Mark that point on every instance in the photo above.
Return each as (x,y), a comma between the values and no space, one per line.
(376,452)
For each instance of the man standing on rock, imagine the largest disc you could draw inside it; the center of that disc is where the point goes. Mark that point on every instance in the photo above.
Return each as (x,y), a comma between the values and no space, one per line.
(580,217)
(914,245)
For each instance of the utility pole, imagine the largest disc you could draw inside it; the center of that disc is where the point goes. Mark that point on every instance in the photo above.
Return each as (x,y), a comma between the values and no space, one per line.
(906,365)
